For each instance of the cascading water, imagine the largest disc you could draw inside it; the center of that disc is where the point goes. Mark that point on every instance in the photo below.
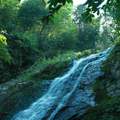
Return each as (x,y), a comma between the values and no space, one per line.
(69,95)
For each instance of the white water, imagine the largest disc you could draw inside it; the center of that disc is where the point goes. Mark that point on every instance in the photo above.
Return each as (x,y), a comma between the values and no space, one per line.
(69,95)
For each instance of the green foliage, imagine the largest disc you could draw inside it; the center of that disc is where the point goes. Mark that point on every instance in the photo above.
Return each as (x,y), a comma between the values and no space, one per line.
(4,53)
(88,32)
(49,68)
(31,12)
(107,107)
(112,60)
(29,44)
(55,5)
(56,43)
(3,39)
(117,42)
(60,35)
(113,7)
(8,11)
(93,5)
(99,88)
(89,35)
(84,53)
(107,110)
(32,37)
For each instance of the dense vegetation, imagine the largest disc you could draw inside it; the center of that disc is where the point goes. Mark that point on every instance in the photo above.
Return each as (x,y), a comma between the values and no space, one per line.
(29,30)
(39,39)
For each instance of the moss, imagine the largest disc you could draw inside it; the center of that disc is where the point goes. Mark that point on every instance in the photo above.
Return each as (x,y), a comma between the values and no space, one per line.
(107,110)
(48,68)
(84,53)
(108,107)
(100,91)
(112,59)
(51,68)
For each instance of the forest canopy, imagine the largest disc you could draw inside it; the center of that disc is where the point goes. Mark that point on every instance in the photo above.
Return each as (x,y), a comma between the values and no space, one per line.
(43,29)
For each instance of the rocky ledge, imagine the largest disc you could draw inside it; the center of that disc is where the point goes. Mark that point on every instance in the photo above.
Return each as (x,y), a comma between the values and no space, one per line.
(107,90)
(19,94)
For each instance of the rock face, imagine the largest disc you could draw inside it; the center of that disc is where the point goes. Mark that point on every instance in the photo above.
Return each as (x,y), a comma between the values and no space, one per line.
(111,67)
(18,94)
(107,90)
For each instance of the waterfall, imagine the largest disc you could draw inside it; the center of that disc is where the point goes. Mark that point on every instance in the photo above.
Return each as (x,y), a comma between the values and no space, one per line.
(69,95)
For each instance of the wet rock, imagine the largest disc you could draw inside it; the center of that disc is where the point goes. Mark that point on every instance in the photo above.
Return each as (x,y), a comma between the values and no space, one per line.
(16,95)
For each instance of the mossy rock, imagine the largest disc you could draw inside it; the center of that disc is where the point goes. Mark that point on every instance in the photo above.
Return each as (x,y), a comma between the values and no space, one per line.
(52,70)
(107,107)
(100,89)
(107,110)
(113,61)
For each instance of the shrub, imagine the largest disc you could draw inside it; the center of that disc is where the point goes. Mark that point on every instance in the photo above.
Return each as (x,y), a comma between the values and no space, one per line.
(4,53)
